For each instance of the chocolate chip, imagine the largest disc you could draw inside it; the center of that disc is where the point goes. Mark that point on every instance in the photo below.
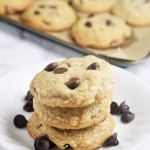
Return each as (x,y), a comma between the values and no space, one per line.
(37,12)
(28,107)
(88,24)
(67,146)
(146,1)
(41,6)
(45,22)
(123,108)
(73,83)
(91,15)
(43,143)
(111,141)
(29,96)
(51,67)
(60,70)
(127,117)
(93,66)
(20,121)
(6,10)
(109,23)
(52,6)
(114,108)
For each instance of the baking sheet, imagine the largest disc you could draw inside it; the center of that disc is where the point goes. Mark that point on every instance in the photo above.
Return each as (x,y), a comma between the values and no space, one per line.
(135,49)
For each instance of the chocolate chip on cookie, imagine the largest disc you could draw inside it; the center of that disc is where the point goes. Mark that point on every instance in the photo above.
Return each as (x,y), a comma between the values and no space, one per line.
(91,15)
(37,12)
(29,96)
(88,24)
(28,107)
(73,83)
(60,70)
(94,66)
(51,67)
(52,6)
(111,141)
(127,117)
(43,143)
(114,108)
(41,6)
(109,23)
(20,121)
(46,23)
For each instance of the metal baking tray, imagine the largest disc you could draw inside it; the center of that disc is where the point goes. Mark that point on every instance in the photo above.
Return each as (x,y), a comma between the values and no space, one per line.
(117,62)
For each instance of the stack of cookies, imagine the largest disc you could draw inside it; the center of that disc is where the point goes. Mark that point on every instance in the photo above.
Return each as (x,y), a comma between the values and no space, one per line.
(72,103)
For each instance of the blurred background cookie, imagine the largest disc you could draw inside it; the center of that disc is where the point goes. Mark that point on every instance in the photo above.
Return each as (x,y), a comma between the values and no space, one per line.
(50,15)
(135,12)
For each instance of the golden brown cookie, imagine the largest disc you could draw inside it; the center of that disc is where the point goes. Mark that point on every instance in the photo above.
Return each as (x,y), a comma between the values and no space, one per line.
(89,138)
(101,31)
(74,82)
(49,15)
(13,6)
(73,118)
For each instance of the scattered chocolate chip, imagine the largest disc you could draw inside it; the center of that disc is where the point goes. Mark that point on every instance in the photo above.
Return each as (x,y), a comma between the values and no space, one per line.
(91,15)
(146,1)
(88,24)
(29,96)
(127,117)
(28,106)
(73,83)
(43,143)
(41,6)
(67,146)
(20,121)
(109,23)
(123,108)
(111,141)
(60,70)
(45,22)
(93,66)
(37,12)
(114,108)
(51,67)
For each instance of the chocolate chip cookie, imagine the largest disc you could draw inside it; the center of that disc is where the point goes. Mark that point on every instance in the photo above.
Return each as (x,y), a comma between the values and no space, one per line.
(74,82)
(135,12)
(101,31)
(73,118)
(88,138)
(93,6)
(13,6)
(50,15)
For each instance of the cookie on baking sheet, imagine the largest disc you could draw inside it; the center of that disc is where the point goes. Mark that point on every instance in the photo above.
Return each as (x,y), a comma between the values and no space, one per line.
(101,31)
(93,6)
(74,82)
(89,138)
(135,12)
(73,118)
(50,15)
(13,6)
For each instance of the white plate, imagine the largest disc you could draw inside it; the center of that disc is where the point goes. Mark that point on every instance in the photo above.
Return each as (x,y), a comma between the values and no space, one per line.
(13,88)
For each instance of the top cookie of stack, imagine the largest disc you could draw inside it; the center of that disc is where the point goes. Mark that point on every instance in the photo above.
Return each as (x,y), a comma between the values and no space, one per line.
(75,82)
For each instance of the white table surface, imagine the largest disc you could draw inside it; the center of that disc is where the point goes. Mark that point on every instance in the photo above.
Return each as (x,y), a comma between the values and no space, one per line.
(19,49)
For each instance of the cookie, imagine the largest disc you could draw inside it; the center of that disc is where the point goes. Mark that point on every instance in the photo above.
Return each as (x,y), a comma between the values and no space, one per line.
(89,138)
(96,6)
(74,82)
(101,31)
(13,6)
(135,12)
(73,118)
(50,15)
